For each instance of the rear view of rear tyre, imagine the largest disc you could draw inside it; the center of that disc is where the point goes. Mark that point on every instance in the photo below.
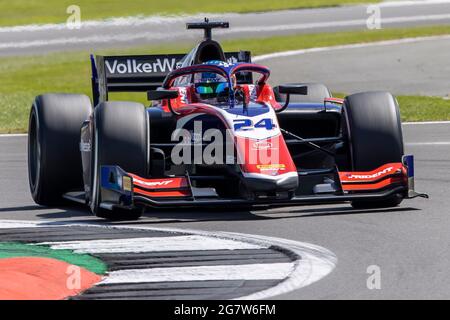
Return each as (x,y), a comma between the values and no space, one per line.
(120,138)
(54,160)
(375,133)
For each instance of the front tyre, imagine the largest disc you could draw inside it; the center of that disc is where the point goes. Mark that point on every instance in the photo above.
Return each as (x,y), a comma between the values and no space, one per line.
(374,130)
(120,138)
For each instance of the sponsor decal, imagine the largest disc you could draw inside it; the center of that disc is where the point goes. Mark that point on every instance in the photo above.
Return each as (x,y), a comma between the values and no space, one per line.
(85,146)
(183,94)
(162,183)
(162,64)
(247,124)
(253,92)
(370,176)
(224,64)
(132,66)
(262,145)
(266,167)
(127,184)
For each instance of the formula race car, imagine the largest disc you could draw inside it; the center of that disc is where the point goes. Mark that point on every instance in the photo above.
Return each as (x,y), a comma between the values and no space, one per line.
(216,135)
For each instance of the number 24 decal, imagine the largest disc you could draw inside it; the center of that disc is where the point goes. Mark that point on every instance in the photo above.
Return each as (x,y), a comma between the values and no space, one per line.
(247,124)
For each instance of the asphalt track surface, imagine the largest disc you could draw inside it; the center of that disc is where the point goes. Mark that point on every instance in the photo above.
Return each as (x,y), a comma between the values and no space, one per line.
(412,68)
(141,31)
(409,243)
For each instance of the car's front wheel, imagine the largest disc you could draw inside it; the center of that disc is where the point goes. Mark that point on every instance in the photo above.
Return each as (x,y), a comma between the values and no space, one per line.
(120,138)
(374,131)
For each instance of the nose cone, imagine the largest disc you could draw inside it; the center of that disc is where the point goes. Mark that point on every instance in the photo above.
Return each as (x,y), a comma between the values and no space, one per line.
(285,182)
(267,165)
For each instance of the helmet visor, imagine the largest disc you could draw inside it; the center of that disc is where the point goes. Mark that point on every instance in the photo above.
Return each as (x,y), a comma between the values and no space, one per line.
(212,88)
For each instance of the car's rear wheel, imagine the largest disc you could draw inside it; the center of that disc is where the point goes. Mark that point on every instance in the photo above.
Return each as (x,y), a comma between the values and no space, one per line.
(317,93)
(54,160)
(374,130)
(120,138)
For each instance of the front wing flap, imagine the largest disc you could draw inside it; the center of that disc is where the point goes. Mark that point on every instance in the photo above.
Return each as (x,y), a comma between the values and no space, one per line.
(122,189)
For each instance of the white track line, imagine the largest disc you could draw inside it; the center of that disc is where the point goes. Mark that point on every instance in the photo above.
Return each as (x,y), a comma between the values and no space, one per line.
(142,20)
(152,35)
(411,3)
(149,35)
(145,36)
(426,122)
(114,22)
(336,24)
(13,135)
(443,143)
(313,262)
(316,263)
(263,271)
(347,46)
(151,244)
(7,224)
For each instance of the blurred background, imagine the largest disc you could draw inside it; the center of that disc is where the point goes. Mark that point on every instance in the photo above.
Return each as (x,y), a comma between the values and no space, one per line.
(399,46)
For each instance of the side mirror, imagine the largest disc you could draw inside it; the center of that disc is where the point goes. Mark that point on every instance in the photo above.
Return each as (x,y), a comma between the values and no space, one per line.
(293,89)
(289,89)
(162,94)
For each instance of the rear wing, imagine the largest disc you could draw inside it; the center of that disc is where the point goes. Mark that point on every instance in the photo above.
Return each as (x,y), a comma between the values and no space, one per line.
(142,73)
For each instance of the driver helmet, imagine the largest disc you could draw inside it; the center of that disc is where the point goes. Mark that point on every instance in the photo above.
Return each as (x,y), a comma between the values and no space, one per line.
(210,87)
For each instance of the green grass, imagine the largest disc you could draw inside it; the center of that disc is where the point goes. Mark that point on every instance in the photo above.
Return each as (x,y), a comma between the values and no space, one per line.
(22,78)
(14,250)
(20,12)
(420,108)
(424,108)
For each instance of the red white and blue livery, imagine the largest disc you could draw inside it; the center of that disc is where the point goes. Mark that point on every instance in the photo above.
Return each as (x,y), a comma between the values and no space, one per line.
(217,133)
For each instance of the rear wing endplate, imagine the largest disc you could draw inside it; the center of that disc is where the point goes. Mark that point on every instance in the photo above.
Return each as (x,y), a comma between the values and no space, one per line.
(141,73)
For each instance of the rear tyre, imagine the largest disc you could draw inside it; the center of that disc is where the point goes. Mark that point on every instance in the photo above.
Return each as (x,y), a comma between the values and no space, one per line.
(317,93)
(374,130)
(120,138)
(54,159)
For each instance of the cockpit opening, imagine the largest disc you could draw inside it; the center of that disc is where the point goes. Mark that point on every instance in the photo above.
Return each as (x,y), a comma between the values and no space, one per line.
(209,50)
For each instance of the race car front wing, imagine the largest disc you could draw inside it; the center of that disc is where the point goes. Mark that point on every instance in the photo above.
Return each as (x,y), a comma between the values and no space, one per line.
(127,190)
